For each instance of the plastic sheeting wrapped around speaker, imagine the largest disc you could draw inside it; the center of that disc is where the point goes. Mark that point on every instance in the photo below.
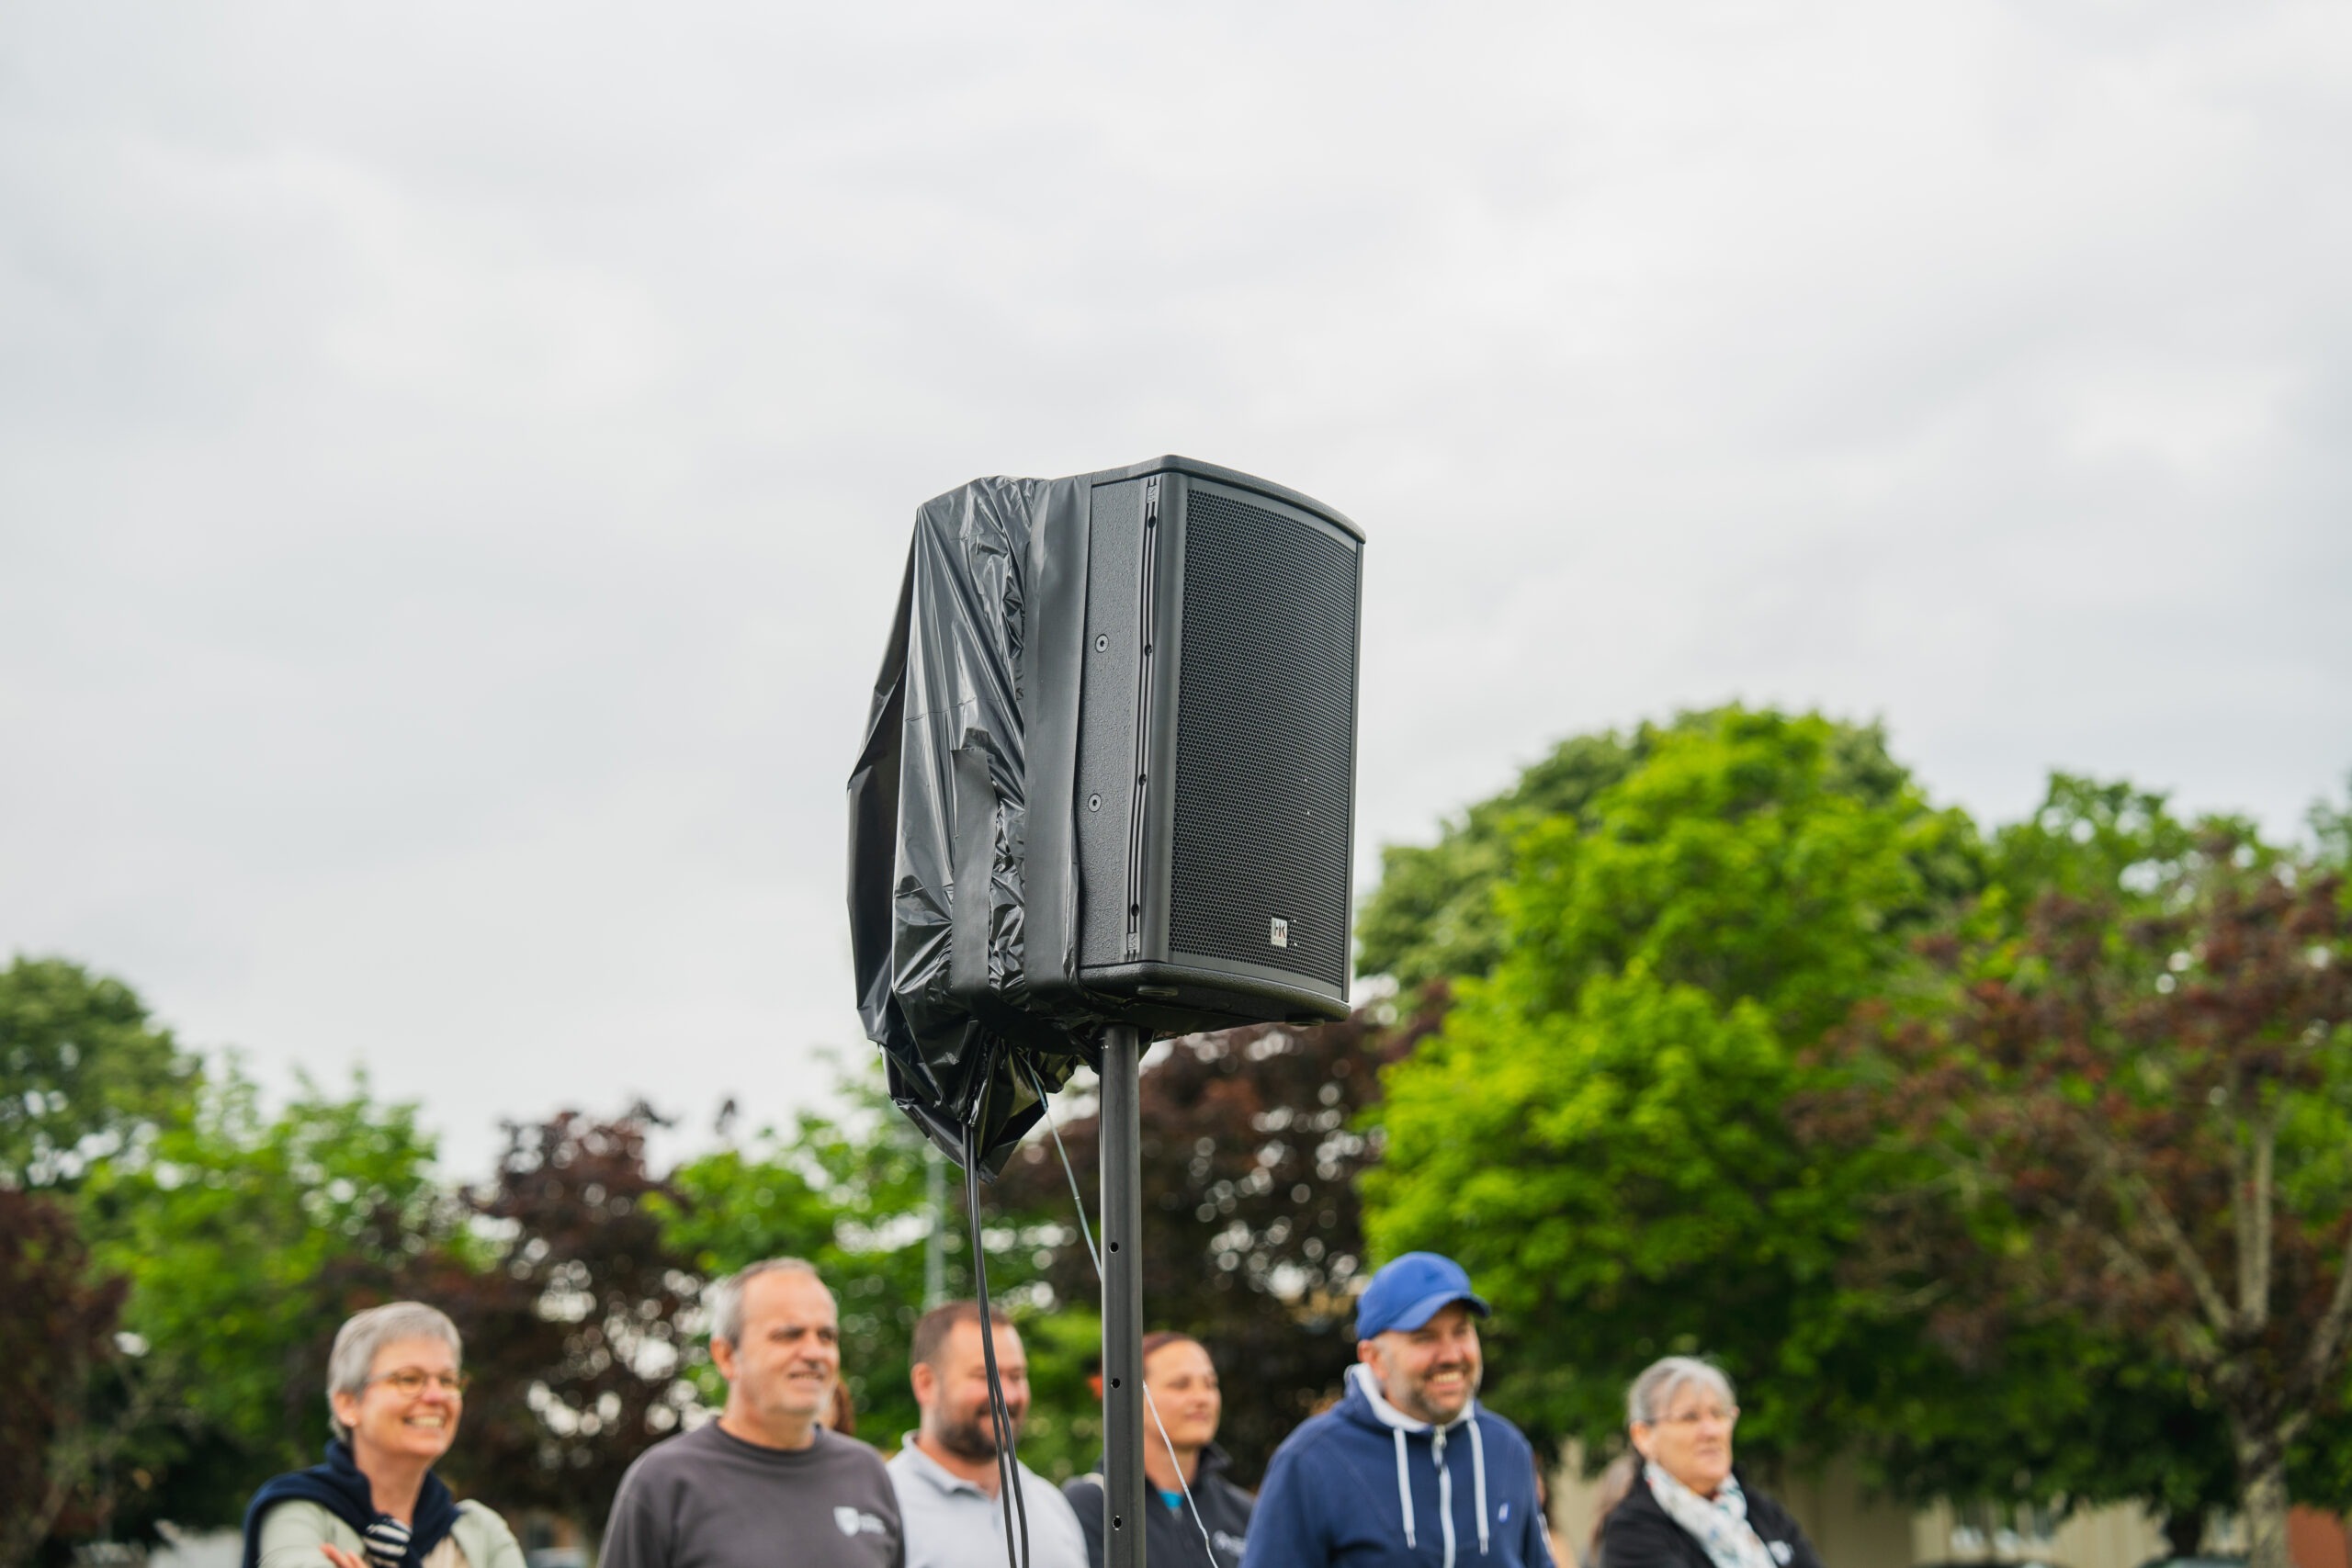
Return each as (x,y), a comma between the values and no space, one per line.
(1108,778)
(939,817)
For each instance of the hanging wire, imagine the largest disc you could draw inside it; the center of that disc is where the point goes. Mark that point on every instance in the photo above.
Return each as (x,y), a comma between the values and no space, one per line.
(1054,1126)
(1087,1231)
(1007,1461)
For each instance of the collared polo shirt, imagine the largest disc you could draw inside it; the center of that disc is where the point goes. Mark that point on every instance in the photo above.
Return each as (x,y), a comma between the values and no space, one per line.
(951,1523)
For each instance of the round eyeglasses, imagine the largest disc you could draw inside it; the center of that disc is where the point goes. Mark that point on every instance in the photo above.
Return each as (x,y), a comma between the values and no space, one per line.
(408,1382)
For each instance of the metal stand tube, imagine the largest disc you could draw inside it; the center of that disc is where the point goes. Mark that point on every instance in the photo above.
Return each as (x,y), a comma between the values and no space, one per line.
(1121,1145)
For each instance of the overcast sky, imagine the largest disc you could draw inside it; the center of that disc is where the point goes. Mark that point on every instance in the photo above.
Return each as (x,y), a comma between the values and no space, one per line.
(455,461)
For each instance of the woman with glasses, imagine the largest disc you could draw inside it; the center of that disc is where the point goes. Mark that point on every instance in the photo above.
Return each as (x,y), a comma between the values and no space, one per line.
(1687,1508)
(394,1395)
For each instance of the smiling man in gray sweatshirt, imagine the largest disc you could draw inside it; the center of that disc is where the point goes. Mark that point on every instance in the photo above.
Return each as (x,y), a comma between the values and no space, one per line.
(764,1483)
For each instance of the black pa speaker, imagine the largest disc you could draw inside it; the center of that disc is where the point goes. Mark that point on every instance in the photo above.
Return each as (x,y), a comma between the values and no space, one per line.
(1205,762)
(1107,781)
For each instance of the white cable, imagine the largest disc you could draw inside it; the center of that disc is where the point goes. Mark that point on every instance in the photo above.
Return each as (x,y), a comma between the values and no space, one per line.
(1067,1169)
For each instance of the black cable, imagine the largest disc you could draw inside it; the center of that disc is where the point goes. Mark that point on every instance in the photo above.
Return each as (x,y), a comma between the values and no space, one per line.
(1007,1458)
(1000,1409)
(1087,1231)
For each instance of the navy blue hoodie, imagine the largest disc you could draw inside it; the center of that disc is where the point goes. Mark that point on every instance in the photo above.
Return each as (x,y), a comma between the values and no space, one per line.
(1365,1485)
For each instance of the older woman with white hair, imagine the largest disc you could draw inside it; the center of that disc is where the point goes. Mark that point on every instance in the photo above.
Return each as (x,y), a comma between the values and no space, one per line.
(395,1397)
(1687,1508)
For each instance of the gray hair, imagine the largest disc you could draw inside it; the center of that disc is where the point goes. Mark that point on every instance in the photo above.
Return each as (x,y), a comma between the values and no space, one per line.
(1655,1389)
(363,1334)
(727,1295)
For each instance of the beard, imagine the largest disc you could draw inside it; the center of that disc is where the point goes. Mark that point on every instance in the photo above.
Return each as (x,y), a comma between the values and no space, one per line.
(1419,1394)
(974,1437)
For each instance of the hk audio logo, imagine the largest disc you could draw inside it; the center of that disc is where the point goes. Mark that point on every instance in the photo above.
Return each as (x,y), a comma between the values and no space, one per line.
(1278,932)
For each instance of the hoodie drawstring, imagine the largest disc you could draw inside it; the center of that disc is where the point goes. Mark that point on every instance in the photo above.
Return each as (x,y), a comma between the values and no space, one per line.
(1444,1491)
(1478,1469)
(1404,1485)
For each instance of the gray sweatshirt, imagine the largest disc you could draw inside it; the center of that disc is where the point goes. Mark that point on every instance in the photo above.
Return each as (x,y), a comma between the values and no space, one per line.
(706,1500)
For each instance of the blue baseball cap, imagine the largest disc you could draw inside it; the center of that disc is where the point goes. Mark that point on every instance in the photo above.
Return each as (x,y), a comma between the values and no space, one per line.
(1412,1289)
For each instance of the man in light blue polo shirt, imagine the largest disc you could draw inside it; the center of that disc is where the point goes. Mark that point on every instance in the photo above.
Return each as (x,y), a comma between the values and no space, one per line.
(945,1475)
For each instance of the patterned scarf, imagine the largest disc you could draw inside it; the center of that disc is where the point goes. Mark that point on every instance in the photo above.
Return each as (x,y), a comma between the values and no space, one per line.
(386,1540)
(1719,1525)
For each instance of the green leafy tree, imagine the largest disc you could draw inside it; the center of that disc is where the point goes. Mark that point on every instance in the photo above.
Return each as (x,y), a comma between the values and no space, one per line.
(2089,840)
(1434,916)
(1600,1129)
(88,1085)
(85,1074)
(246,1238)
(86,1078)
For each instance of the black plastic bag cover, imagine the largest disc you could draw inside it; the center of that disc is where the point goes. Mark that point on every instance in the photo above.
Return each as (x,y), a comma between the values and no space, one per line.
(939,819)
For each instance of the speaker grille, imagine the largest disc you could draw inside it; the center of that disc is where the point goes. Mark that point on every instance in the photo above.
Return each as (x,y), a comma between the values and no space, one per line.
(1265,740)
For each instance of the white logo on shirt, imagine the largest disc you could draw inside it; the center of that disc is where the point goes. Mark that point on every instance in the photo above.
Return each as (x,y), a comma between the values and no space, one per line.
(1782,1550)
(852,1523)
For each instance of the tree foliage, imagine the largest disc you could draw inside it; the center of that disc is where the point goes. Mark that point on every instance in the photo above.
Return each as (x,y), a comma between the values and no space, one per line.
(2054,1409)
(86,1080)
(245,1240)
(56,1334)
(1434,915)
(847,1194)
(1252,1235)
(84,1074)
(2141,1110)
(577,1326)
(1599,1130)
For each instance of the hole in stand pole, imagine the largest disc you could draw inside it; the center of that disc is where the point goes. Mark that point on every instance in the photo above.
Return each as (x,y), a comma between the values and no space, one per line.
(1117,1523)
(1114,1382)
(1115,1247)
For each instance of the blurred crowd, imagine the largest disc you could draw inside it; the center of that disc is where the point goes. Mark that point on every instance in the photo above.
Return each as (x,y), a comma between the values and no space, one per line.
(1405,1466)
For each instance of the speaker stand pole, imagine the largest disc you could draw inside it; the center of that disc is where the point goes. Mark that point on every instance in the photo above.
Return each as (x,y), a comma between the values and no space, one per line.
(1121,1142)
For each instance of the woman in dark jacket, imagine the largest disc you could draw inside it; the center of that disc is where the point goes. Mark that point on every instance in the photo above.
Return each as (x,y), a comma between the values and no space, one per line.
(1194,1517)
(1686,1507)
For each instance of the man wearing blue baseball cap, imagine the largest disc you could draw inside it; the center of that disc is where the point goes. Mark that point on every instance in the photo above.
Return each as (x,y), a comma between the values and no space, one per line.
(1405,1469)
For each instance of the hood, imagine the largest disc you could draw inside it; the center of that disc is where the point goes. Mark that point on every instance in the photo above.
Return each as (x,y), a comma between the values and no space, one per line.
(1367,1407)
